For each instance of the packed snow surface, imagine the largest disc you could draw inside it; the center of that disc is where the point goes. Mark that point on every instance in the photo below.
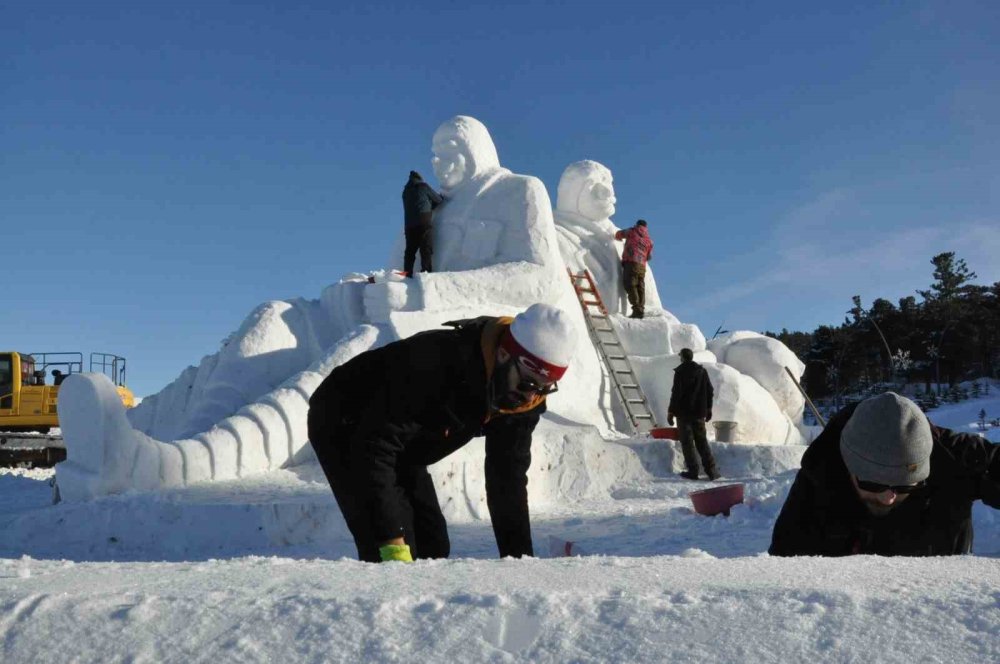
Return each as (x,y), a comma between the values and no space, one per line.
(262,570)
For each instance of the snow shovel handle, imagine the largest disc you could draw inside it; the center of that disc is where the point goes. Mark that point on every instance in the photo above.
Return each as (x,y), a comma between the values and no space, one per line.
(819,418)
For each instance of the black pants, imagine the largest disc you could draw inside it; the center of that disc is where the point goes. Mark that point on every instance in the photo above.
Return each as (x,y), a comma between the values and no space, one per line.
(425,530)
(693,436)
(418,238)
(634,277)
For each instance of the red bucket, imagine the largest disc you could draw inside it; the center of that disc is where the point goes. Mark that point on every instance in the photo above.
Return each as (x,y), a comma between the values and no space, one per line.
(717,500)
(668,433)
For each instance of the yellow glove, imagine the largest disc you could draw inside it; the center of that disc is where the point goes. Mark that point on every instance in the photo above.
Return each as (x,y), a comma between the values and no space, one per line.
(400,552)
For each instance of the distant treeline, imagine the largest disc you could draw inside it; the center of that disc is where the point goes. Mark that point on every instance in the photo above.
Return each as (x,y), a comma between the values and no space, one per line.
(951,334)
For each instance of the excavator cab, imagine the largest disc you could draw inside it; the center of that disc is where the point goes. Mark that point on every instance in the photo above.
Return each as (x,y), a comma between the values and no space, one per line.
(27,403)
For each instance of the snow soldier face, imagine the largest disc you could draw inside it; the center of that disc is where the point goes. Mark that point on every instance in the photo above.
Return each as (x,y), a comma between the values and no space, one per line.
(586,189)
(462,149)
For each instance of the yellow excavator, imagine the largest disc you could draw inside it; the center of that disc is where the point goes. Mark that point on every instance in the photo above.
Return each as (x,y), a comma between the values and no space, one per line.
(29,407)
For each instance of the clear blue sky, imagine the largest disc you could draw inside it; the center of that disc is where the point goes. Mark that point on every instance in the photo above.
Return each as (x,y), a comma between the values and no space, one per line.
(164,167)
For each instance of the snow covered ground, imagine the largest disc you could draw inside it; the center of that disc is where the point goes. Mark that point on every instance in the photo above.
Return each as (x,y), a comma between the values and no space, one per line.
(261,570)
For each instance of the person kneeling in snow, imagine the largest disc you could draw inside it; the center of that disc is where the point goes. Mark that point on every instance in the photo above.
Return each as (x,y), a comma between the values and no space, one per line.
(881,479)
(377,422)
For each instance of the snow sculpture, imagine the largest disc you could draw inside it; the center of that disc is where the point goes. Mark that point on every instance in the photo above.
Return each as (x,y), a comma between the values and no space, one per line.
(739,398)
(586,200)
(496,249)
(276,340)
(585,204)
(764,359)
(494,239)
(243,410)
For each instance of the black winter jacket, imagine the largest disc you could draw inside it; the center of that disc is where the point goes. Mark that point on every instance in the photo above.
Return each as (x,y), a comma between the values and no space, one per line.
(419,201)
(692,393)
(414,402)
(823,515)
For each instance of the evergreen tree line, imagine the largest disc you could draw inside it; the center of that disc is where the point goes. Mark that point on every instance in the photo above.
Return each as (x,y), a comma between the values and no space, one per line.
(950,335)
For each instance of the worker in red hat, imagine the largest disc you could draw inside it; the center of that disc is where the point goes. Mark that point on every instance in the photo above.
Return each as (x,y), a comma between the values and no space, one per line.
(377,421)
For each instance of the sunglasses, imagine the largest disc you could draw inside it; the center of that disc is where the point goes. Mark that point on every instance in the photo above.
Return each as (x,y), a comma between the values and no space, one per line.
(527,385)
(875,487)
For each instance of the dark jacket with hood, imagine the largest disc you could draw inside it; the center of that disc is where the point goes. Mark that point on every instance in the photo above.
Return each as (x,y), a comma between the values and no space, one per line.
(692,393)
(414,402)
(419,201)
(823,515)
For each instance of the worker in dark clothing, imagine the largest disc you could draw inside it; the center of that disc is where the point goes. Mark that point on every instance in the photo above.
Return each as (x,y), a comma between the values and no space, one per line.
(419,203)
(691,403)
(882,480)
(377,421)
(637,252)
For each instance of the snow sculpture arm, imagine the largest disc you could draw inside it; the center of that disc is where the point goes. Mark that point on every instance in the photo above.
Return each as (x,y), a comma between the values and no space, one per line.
(105,454)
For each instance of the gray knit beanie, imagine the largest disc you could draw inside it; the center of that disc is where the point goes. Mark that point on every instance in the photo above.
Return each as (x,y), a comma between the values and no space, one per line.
(887,440)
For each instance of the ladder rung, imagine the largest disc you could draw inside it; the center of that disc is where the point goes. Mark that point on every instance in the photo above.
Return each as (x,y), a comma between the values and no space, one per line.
(643,417)
(610,343)
(628,371)
(616,357)
(636,400)
(629,386)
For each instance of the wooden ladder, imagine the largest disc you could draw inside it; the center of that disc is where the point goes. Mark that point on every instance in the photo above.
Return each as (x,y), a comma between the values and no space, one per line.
(610,348)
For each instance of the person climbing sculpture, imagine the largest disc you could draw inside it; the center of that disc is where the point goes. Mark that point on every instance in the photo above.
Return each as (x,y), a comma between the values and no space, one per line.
(638,250)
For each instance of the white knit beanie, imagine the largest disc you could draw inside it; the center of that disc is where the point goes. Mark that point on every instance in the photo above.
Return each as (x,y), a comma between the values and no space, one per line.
(544,338)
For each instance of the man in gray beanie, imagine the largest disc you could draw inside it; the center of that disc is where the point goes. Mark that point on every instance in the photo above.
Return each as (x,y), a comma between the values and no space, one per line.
(882,480)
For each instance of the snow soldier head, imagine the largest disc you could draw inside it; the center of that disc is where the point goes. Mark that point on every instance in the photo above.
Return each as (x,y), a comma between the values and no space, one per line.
(462,149)
(586,189)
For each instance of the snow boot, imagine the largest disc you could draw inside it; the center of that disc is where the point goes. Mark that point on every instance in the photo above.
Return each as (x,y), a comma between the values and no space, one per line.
(689,474)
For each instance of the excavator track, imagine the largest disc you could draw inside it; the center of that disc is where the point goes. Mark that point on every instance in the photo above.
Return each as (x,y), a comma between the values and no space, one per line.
(30,450)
